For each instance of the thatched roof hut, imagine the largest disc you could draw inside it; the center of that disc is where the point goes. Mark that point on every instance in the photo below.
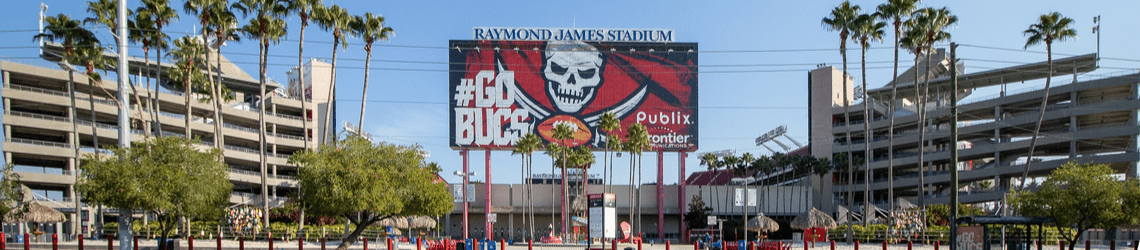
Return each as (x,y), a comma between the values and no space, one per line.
(396,222)
(813,218)
(38,213)
(420,222)
(763,223)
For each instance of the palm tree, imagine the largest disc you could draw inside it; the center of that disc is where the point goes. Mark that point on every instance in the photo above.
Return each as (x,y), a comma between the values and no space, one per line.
(371,29)
(188,70)
(337,20)
(526,146)
(867,29)
(267,27)
(637,139)
(894,11)
(142,31)
(303,8)
(1049,27)
(933,23)
(106,13)
(71,34)
(608,124)
(561,133)
(205,10)
(842,19)
(711,163)
(160,14)
(224,26)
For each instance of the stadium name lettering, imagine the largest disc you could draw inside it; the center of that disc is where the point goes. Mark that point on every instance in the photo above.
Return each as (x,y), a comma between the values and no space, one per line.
(565,34)
(492,96)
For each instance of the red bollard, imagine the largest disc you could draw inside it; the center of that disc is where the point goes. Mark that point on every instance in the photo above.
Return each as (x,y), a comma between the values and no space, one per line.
(420,243)
(1060,245)
(389,244)
(269,235)
(54,242)
(301,243)
(936,245)
(365,242)
(503,244)
(322,243)
(666,246)
(189,243)
(696,245)
(136,242)
(1087,244)
(1112,245)
(26,239)
(856,245)
(241,243)
(4,243)
(110,242)
(884,246)
(639,244)
(80,241)
(910,245)
(219,242)
(613,244)
(832,245)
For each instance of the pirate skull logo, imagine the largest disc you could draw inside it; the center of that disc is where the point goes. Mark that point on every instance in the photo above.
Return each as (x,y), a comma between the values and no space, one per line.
(573,72)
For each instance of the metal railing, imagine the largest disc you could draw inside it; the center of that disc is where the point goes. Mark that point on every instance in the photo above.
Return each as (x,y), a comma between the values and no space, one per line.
(38,90)
(39,143)
(40,116)
(99,125)
(247,129)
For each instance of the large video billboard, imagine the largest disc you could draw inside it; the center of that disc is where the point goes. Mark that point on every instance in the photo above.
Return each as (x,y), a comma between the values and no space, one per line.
(502,90)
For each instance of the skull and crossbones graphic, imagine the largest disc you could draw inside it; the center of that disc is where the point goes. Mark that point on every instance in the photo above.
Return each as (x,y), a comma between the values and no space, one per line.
(573,73)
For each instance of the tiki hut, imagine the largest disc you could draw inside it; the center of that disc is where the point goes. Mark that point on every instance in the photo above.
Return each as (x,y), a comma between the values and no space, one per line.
(813,218)
(420,222)
(38,213)
(763,224)
(396,222)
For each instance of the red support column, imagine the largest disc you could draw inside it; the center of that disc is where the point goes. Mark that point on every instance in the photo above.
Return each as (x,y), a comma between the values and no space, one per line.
(54,242)
(681,190)
(489,231)
(661,194)
(466,180)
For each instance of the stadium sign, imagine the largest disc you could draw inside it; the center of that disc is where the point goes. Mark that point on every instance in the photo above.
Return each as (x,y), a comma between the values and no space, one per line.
(572,34)
(502,90)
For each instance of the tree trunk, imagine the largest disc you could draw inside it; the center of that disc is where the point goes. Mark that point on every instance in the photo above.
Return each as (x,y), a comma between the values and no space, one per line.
(146,122)
(326,136)
(351,238)
(157,82)
(219,120)
(867,138)
(847,128)
(304,107)
(186,96)
(891,134)
(261,131)
(1041,117)
(94,121)
(364,91)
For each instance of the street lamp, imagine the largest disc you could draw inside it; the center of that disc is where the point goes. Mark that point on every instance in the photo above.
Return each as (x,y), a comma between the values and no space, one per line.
(745,203)
(465,181)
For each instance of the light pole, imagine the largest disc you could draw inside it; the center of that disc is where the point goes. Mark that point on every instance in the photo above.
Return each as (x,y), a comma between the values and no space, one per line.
(745,203)
(465,181)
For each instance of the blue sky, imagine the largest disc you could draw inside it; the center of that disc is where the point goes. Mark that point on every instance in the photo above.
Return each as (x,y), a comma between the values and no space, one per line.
(756,55)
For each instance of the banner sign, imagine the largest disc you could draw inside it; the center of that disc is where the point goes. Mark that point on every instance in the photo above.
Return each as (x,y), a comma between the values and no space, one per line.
(502,90)
(572,34)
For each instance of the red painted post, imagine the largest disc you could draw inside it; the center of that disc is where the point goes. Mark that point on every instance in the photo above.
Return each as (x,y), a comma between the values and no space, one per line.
(26,239)
(269,235)
(219,242)
(503,244)
(189,243)
(4,243)
(639,245)
(1112,245)
(936,245)
(136,242)
(389,244)
(884,246)
(1087,244)
(420,243)
(856,245)
(667,246)
(365,242)
(301,243)
(54,242)
(910,245)
(833,245)
(613,244)
(80,241)
(697,245)
(322,243)
(1060,245)
(241,243)
(110,242)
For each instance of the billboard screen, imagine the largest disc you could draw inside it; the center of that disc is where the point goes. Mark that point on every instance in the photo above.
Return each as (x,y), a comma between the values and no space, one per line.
(502,90)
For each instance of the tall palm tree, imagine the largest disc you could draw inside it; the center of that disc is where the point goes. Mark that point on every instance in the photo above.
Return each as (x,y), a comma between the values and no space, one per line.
(637,140)
(842,19)
(70,33)
(106,13)
(303,8)
(337,20)
(142,32)
(927,26)
(608,124)
(867,29)
(1049,27)
(729,163)
(563,132)
(223,24)
(526,146)
(370,28)
(267,27)
(188,52)
(913,40)
(205,11)
(711,163)
(894,11)
(159,13)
